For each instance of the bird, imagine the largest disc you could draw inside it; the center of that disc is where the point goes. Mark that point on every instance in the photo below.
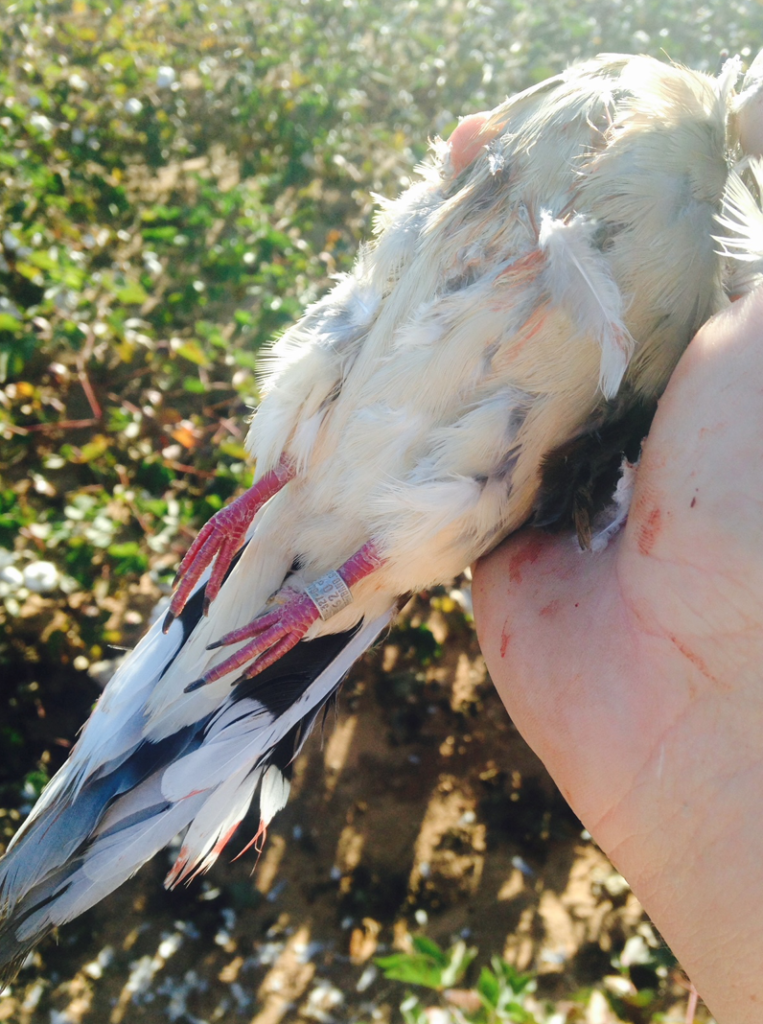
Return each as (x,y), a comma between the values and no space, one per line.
(493,356)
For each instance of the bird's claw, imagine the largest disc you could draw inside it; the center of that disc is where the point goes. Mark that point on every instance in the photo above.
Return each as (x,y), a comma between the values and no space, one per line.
(220,539)
(271,635)
(292,612)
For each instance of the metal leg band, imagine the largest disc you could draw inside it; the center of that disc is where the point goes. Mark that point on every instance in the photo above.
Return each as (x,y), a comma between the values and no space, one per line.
(329,594)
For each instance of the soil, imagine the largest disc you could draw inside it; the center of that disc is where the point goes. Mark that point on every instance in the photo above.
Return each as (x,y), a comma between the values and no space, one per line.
(420,808)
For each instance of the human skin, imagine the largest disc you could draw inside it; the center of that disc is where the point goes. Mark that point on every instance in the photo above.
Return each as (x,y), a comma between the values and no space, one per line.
(636,674)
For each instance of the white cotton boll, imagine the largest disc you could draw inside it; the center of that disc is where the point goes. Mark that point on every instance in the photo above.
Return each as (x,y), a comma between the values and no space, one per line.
(133,106)
(42,122)
(41,577)
(165,77)
(12,576)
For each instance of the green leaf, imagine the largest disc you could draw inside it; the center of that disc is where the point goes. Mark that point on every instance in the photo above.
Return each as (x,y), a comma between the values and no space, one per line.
(30,272)
(132,294)
(194,353)
(428,947)
(161,213)
(514,979)
(130,559)
(235,450)
(428,965)
(488,987)
(412,969)
(43,260)
(126,550)
(94,449)
(163,234)
(459,958)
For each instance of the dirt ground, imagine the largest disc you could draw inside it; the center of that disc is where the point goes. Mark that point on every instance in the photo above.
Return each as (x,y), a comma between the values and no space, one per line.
(419,809)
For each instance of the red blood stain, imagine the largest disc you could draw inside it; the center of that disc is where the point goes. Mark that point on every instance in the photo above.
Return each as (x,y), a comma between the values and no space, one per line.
(695,659)
(528,552)
(505,640)
(649,531)
(550,609)
(536,320)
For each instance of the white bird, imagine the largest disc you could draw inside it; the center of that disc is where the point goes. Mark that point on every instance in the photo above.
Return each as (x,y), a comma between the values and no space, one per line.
(491,356)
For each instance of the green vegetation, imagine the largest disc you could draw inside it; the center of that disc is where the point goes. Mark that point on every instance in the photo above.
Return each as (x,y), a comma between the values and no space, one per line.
(497,997)
(501,994)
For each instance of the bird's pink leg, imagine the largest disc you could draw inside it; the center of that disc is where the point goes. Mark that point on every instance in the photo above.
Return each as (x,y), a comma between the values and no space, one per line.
(221,538)
(277,631)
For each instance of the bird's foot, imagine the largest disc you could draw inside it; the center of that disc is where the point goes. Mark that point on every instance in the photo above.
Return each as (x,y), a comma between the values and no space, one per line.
(220,539)
(275,632)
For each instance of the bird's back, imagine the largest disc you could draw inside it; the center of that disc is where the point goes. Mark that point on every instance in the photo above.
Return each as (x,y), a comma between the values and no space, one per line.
(470,341)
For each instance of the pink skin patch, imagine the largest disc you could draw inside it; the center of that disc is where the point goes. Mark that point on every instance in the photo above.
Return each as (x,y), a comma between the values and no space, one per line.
(469,139)
(221,538)
(277,631)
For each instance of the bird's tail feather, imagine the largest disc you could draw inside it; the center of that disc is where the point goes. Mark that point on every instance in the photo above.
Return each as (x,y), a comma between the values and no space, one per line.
(104,816)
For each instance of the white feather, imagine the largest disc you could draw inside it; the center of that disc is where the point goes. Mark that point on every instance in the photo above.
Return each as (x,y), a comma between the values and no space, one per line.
(274,793)
(741,215)
(303,441)
(580,281)
(213,824)
(363,303)
(212,763)
(609,522)
(742,221)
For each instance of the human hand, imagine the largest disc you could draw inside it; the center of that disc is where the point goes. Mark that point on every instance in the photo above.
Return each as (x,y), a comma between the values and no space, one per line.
(636,674)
